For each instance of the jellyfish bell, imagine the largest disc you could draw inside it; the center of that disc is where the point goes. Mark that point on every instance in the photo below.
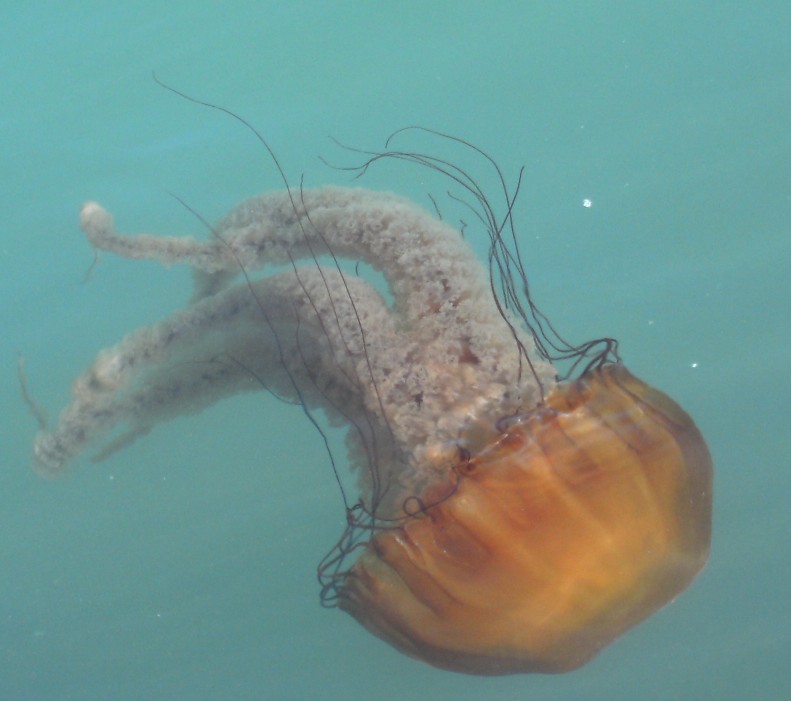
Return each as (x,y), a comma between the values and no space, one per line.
(585,516)
(506,521)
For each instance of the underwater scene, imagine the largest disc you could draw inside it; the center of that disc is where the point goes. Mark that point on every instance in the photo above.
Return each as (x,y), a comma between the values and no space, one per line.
(395,350)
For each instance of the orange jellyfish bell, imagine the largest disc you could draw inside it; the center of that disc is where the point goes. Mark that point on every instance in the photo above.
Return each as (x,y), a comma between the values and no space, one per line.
(581,519)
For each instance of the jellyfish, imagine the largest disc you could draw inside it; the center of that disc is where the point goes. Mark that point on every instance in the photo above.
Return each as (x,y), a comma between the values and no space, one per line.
(511,516)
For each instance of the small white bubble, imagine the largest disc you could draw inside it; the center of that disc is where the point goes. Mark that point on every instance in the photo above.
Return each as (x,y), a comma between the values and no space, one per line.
(693,365)
(587,203)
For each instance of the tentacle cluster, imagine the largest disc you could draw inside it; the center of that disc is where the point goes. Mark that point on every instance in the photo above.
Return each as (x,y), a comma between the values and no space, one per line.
(413,375)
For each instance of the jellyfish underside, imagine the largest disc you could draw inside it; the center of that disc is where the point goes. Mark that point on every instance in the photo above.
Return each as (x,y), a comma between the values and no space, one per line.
(506,522)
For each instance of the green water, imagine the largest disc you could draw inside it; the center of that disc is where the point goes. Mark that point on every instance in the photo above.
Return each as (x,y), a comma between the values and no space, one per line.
(183,567)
